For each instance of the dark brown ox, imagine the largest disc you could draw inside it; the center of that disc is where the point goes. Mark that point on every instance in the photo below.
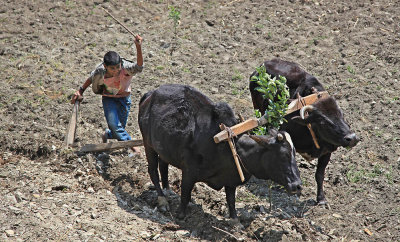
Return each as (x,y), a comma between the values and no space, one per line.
(178,123)
(325,117)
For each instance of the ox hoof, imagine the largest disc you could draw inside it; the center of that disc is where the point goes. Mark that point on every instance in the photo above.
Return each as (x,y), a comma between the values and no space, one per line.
(323,203)
(169,192)
(181,212)
(235,223)
(162,204)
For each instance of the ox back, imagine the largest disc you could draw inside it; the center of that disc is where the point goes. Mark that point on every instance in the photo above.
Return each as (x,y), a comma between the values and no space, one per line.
(326,119)
(178,123)
(297,80)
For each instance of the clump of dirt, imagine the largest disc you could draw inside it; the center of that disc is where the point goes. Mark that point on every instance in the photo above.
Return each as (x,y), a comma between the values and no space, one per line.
(48,49)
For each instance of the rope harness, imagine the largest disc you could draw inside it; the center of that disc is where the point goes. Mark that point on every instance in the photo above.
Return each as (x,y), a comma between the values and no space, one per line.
(303,104)
(231,134)
(232,145)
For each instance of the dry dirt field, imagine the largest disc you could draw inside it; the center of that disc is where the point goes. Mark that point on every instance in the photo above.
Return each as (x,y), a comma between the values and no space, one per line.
(48,48)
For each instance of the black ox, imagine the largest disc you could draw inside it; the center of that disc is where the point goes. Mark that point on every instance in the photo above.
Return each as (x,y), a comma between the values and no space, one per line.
(178,123)
(325,117)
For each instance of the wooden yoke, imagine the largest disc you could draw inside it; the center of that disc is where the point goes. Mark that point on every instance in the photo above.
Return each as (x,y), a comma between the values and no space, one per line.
(254,122)
(240,128)
(234,153)
(303,101)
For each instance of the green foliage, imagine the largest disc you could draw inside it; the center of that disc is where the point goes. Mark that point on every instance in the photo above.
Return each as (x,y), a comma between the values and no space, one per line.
(260,130)
(351,70)
(355,175)
(185,69)
(69,3)
(237,76)
(175,15)
(92,45)
(389,175)
(258,26)
(237,89)
(245,196)
(276,92)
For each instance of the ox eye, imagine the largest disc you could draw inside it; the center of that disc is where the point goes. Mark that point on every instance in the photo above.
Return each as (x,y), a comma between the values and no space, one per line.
(327,121)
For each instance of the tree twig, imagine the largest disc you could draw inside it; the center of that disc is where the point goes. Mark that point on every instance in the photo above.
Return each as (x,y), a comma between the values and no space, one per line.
(226,232)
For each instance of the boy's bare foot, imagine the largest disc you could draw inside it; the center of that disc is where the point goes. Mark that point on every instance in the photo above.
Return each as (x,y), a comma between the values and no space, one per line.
(135,152)
(135,149)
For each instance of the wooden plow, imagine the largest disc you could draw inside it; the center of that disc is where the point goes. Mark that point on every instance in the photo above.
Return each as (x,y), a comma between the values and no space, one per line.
(71,133)
(73,122)
(111,146)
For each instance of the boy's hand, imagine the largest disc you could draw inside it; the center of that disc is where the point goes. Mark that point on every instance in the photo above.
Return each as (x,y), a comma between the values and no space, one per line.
(77,96)
(138,40)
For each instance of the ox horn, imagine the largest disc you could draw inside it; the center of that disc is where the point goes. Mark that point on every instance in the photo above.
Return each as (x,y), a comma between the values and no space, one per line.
(307,108)
(280,137)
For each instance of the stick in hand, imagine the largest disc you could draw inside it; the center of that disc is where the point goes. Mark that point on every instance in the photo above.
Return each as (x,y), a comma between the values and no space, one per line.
(134,35)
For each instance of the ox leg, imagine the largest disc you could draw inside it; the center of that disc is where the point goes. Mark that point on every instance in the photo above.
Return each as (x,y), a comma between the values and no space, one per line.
(230,193)
(152,160)
(319,177)
(186,193)
(163,166)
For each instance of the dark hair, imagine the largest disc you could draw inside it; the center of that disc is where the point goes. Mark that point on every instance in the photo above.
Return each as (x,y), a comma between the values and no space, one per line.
(111,58)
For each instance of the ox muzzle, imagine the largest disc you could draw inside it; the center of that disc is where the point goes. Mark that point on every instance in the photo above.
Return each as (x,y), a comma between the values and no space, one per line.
(294,188)
(351,139)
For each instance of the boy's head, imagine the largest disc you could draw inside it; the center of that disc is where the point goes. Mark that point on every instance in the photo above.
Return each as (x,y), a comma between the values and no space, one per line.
(112,63)
(111,58)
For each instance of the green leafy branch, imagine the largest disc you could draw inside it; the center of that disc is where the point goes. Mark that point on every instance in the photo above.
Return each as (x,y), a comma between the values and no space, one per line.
(175,15)
(260,130)
(276,92)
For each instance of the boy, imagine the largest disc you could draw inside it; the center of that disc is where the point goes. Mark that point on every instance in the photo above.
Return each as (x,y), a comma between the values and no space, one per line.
(112,80)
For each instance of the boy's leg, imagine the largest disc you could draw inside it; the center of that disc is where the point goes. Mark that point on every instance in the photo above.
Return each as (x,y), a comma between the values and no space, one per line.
(116,115)
(124,114)
(124,109)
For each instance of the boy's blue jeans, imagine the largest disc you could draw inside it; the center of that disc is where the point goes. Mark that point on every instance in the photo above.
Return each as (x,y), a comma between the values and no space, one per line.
(116,111)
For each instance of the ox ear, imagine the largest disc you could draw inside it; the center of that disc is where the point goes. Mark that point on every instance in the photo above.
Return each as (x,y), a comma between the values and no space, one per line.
(260,140)
(224,114)
(300,121)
